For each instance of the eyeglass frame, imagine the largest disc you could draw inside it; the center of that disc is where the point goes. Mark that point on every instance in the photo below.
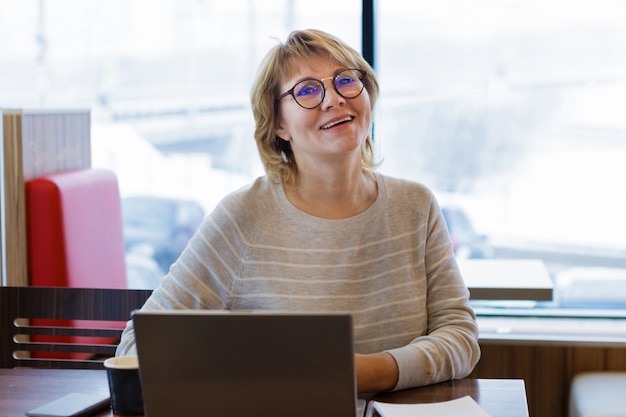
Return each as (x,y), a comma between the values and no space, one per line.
(321,81)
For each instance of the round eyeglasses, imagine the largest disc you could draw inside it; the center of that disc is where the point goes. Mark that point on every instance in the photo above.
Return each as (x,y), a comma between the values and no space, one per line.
(309,93)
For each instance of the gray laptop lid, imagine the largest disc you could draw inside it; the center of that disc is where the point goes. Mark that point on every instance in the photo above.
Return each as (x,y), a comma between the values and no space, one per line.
(243,364)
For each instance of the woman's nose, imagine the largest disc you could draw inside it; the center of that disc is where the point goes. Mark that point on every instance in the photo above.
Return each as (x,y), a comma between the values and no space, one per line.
(332,98)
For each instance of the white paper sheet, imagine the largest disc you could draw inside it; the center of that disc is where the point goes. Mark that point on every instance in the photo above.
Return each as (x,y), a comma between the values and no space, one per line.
(460,407)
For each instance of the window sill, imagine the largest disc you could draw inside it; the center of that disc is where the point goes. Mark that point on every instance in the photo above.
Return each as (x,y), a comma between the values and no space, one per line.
(552,326)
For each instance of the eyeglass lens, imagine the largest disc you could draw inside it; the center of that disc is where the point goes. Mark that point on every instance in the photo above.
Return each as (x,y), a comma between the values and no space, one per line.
(310,93)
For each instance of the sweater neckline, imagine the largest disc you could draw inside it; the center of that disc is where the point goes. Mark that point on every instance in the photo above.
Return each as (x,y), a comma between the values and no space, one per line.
(295,212)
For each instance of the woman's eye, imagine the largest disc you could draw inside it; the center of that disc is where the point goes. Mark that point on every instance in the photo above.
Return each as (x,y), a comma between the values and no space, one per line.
(343,81)
(308,89)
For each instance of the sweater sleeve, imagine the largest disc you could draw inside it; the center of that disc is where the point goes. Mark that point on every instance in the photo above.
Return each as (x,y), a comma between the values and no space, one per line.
(203,275)
(450,348)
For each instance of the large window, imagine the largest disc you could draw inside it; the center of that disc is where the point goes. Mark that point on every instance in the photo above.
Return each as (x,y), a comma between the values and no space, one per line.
(511,111)
(167,82)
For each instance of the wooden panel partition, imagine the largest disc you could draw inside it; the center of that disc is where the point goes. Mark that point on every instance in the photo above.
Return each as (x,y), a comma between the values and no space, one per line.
(547,369)
(35,143)
(14,259)
(103,313)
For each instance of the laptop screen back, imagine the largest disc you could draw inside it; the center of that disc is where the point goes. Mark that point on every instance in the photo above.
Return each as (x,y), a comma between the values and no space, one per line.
(233,364)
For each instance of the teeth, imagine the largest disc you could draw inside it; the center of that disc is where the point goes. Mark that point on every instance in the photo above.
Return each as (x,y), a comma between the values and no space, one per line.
(336,122)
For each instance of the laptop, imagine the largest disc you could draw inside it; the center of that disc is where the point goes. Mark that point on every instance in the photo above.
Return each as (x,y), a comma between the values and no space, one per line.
(246,363)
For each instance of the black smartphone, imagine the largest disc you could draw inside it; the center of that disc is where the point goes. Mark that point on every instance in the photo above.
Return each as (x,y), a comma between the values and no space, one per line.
(72,405)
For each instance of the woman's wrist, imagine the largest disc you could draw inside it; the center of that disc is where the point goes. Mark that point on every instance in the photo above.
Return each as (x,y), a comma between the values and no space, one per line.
(376,372)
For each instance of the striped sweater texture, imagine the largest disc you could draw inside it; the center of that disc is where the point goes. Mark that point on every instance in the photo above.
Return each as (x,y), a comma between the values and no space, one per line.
(391,267)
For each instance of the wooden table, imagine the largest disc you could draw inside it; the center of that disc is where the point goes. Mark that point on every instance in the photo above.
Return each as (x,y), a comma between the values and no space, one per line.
(498,397)
(507,279)
(24,389)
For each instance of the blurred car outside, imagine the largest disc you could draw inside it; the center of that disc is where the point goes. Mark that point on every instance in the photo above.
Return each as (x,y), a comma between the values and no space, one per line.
(591,287)
(159,227)
(142,271)
(466,242)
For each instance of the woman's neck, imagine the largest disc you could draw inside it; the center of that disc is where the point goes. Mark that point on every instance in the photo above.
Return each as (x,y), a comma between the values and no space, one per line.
(337,196)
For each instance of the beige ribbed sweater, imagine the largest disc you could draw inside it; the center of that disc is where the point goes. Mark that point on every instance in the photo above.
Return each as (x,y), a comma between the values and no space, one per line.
(391,267)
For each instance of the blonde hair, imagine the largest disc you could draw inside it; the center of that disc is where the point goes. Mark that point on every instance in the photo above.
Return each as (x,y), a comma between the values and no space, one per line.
(277,65)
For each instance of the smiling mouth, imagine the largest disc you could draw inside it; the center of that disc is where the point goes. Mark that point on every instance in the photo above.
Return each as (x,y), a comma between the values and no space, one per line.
(337,122)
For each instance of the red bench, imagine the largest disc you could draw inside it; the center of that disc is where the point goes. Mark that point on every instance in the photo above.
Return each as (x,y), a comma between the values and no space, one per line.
(74,233)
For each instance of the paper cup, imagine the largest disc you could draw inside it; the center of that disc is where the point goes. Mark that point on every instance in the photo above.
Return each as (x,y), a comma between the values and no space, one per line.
(124,386)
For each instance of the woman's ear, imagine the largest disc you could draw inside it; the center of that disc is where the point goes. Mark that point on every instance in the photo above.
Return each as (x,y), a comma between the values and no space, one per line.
(283,133)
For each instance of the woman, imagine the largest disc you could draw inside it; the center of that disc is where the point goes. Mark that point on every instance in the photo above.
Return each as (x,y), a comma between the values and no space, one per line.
(322,231)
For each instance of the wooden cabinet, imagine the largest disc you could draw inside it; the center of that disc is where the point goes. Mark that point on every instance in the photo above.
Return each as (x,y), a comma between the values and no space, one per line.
(546,368)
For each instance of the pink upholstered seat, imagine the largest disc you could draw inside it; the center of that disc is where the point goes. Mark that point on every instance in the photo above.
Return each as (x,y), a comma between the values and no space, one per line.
(75,236)
(74,229)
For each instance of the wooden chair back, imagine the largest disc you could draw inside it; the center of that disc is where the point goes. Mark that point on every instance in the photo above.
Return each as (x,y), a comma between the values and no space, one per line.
(103,313)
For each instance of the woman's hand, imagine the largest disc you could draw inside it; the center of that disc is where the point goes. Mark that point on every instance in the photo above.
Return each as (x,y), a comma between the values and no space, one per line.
(375,372)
